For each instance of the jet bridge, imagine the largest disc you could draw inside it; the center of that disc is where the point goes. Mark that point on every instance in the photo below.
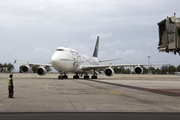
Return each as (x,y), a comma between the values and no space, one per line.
(169,35)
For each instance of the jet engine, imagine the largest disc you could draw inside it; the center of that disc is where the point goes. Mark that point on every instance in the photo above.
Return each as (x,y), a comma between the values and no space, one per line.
(109,72)
(138,70)
(41,71)
(26,69)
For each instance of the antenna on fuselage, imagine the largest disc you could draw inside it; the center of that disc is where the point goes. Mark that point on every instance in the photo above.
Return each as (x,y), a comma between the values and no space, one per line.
(95,53)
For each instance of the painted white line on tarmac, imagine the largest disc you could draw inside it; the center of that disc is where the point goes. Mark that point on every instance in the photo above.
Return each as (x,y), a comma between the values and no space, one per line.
(47,85)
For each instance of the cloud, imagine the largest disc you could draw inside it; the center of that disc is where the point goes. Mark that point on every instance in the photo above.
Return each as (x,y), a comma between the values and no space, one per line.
(131,52)
(101,35)
(112,44)
(31,29)
(81,48)
(42,55)
(102,54)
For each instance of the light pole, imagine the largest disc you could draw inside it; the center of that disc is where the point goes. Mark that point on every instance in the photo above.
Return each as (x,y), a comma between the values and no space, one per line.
(148,63)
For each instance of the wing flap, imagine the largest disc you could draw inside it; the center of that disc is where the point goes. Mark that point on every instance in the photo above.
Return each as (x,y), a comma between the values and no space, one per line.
(109,60)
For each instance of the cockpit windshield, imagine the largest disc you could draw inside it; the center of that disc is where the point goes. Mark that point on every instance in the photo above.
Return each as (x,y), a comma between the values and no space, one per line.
(60,50)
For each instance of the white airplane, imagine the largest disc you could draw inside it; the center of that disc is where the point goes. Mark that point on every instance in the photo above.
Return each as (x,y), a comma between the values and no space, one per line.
(66,60)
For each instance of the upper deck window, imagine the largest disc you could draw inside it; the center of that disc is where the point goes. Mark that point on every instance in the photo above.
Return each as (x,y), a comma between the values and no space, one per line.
(60,50)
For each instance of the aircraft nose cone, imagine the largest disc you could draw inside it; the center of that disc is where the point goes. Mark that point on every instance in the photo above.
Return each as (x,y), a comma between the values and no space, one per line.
(55,61)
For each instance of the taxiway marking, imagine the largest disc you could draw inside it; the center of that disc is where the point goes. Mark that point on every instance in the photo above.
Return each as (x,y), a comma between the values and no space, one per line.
(100,88)
(47,85)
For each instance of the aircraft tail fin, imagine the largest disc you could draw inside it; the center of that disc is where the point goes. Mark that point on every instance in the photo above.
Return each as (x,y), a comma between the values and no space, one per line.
(95,53)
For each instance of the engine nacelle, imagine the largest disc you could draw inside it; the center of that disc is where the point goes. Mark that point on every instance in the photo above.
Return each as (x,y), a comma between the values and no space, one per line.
(26,69)
(138,70)
(41,71)
(109,72)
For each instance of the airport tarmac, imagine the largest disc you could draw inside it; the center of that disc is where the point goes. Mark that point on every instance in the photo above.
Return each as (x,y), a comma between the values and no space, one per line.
(119,93)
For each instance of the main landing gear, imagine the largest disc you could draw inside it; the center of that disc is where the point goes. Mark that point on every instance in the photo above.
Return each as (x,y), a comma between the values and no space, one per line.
(86,76)
(94,75)
(76,76)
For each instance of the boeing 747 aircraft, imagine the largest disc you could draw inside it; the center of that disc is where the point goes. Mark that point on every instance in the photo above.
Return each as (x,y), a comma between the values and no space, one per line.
(66,60)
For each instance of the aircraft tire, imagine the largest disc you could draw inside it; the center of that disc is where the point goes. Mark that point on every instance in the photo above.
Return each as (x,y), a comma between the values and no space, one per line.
(61,77)
(86,77)
(65,77)
(93,77)
(75,77)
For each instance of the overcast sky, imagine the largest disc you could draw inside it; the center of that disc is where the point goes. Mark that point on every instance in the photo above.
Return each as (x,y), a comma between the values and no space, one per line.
(31,30)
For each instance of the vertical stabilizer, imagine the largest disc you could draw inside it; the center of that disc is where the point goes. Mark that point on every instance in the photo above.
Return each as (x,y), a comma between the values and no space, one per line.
(95,53)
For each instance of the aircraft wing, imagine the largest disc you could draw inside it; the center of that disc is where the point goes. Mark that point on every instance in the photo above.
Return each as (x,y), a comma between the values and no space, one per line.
(109,60)
(33,64)
(90,67)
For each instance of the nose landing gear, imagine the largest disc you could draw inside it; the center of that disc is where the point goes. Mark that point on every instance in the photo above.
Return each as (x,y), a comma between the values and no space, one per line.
(62,76)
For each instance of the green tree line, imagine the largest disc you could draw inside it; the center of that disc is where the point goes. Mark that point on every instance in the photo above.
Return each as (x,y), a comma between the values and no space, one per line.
(9,66)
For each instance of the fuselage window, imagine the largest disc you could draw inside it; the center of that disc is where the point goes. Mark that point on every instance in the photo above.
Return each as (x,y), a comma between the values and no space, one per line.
(60,50)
